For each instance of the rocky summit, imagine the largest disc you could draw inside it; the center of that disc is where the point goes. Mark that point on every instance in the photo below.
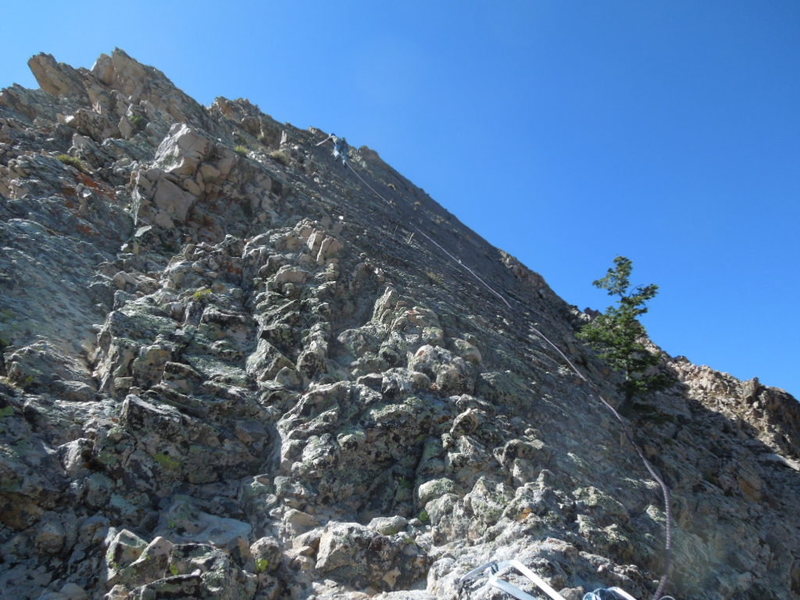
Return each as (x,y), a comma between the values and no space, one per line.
(233,366)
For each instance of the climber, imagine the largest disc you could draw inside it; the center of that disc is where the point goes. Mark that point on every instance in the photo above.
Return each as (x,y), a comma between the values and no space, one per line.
(340,147)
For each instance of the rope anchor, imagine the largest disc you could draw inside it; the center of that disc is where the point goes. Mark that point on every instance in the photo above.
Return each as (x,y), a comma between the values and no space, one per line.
(340,147)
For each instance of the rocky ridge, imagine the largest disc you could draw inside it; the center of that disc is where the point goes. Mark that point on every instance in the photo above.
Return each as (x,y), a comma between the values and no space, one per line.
(229,370)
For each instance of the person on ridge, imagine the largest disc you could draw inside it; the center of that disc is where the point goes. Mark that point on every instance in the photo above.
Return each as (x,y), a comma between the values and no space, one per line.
(340,147)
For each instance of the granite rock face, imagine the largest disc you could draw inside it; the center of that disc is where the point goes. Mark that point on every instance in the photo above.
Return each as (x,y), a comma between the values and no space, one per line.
(230,369)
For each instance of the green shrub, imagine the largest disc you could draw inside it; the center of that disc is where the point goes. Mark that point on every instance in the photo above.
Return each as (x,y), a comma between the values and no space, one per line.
(262,564)
(72,161)
(280,156)
(434,277)
(138,121)
(242,150)
(201,294)
(618,335)
(167,462)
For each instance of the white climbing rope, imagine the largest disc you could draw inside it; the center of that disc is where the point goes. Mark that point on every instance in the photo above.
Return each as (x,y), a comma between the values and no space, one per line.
(653,473)
(496,569)
(434,242)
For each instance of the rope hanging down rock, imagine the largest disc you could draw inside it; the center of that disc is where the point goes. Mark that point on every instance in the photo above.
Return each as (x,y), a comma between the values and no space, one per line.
(434,242)
(626,429)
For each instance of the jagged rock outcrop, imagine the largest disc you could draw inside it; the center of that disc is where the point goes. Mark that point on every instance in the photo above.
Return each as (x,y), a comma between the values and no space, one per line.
(230,369)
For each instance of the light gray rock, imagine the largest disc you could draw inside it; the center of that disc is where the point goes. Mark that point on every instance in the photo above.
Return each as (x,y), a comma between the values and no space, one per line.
(123,549)
(182,151)
(56,78)
(229,375)
(367,558)
(388,525)
(72,591)
(183,522)
(50,535)
(74,456)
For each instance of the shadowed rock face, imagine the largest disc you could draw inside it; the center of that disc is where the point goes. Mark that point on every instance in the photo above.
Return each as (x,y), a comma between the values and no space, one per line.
(231,370)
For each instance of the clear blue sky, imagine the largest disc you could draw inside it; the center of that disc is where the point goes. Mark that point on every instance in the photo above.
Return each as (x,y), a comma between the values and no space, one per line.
(565,132)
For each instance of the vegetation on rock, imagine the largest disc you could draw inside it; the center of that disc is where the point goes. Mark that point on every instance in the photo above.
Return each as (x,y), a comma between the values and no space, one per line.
(618,335)
(72,161)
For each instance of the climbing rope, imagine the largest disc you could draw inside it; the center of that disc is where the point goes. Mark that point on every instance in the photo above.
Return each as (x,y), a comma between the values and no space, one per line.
(495,569)
(650,468)
(434,242)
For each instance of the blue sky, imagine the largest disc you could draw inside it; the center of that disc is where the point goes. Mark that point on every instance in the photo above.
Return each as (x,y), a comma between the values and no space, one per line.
(566,133)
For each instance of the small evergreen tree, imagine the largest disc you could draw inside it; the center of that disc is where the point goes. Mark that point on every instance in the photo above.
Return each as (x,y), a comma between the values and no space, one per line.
(617,334)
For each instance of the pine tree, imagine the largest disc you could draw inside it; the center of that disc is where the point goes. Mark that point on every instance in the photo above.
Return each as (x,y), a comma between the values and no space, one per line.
(617,333)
